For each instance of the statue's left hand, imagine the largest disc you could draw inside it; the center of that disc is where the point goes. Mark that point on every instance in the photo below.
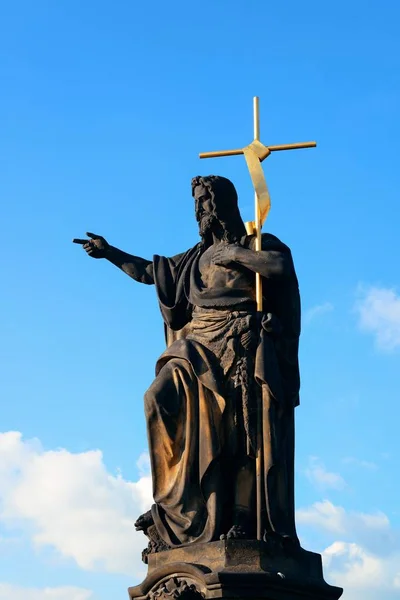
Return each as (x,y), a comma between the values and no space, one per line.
(226,255)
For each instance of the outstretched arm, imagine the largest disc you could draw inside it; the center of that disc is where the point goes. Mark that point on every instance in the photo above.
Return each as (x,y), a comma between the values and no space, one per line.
(138,268)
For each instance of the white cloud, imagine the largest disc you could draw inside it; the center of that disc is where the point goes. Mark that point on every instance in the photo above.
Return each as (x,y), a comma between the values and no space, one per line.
(13,592)
(69,502)
(378,309)
(321,478)
(362,574)
(317,311)
(335,519)
(143,464)
(364,554)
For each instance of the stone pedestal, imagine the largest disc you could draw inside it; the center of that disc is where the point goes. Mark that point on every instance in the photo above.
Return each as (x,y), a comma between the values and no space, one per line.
(234,569)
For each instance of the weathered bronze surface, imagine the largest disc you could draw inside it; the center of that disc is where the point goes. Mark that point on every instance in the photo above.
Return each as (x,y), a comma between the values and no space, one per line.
(222,355)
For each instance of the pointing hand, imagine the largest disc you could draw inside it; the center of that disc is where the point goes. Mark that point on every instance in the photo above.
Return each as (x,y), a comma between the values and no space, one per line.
(96,246)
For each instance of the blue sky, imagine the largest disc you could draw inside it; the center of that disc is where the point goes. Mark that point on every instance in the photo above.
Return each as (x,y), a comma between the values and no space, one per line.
(104,109)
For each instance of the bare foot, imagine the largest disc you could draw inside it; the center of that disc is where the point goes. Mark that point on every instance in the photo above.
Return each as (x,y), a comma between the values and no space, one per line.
(236,532)
(144,522)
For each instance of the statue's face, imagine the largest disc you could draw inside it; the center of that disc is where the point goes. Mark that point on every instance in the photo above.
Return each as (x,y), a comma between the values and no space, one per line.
(216,208)
(203,201)
(205,216)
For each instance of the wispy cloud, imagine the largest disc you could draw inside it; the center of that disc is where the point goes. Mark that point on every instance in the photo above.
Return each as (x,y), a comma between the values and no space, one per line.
(321,478)
(378,310)
(317,311)
(364,464)
(335,519)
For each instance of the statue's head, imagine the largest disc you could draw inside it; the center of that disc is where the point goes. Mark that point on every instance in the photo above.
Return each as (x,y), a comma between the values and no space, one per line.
(217,210)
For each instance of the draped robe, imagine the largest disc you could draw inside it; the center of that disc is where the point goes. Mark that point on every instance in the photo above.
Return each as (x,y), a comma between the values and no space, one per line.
(196,428)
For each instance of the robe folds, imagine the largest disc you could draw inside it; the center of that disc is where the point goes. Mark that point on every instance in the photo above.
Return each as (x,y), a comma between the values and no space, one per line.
(201,410)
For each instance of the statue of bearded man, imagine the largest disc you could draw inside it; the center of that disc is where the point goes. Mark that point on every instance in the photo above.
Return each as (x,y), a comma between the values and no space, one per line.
(222,359)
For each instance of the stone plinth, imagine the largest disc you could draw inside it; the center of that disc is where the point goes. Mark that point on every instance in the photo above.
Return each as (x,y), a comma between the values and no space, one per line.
(234,569)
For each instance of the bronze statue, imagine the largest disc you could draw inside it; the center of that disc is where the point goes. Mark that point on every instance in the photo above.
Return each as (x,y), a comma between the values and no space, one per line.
(220,412)
(224,359)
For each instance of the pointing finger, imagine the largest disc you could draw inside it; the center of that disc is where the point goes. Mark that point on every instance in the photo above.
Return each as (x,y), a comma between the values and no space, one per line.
(79,241)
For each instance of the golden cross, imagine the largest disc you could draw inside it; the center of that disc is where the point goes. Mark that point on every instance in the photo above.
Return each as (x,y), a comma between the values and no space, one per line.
(254,154)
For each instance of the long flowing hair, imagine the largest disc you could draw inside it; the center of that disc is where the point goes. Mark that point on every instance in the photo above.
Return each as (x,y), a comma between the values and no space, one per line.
(224,202)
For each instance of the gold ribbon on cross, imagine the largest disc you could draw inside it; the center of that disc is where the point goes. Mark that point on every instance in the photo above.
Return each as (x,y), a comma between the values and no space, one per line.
(254,154)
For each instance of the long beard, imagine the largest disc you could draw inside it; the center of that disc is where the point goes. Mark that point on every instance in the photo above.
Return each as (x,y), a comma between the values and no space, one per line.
(207,224)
